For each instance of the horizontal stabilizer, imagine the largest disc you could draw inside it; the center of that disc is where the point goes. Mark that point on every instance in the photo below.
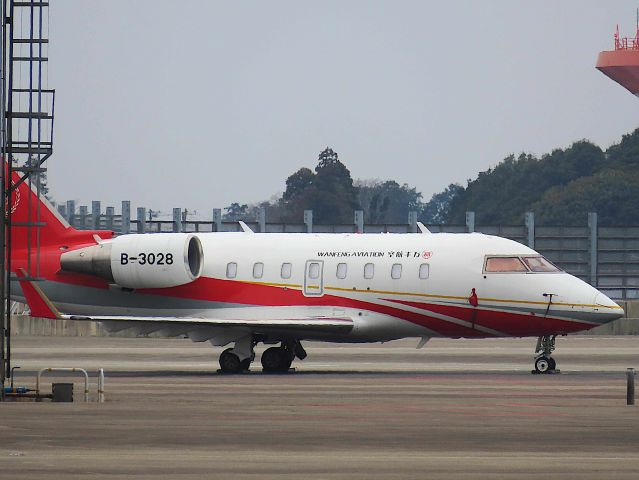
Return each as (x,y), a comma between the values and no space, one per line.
(38,302)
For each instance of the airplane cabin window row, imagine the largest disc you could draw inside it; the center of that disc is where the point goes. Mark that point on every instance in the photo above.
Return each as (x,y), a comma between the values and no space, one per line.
(503,264)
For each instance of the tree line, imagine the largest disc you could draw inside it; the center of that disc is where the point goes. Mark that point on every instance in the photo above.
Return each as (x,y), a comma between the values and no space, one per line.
(330,191)
(561,187)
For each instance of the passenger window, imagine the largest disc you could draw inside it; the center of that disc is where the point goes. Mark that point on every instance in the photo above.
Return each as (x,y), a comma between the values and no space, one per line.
(369,271)
(540,264)
(287,268)
(505,265)
(424,271)
(258,270)
(313,270)
(342,270)
(396,271)
(231,270)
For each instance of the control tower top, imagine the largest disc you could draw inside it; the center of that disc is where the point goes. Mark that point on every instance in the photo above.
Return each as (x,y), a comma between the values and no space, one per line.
(622,63)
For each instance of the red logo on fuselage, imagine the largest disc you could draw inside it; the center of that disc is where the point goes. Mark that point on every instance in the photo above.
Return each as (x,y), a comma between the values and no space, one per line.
(427,254)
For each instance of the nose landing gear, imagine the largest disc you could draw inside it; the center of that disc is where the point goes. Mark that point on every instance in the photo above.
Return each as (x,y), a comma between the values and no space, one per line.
(544,363)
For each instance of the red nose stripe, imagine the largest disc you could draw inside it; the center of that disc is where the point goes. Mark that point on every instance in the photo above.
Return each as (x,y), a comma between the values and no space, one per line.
(512,323)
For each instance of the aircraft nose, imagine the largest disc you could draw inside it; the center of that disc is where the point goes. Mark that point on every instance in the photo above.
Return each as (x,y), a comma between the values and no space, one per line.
(604,301)
(608,307)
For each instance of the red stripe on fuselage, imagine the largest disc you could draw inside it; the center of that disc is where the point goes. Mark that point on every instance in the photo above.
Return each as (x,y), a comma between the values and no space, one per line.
(246,293)
(512,323)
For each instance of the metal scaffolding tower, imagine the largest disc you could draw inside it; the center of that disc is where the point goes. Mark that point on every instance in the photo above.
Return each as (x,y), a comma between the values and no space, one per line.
(26,139)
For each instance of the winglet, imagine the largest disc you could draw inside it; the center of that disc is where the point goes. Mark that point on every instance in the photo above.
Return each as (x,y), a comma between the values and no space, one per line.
(422,228)
(245,227)
(38,302)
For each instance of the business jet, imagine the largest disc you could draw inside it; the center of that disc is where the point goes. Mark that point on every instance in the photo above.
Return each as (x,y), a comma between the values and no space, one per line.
(243,288)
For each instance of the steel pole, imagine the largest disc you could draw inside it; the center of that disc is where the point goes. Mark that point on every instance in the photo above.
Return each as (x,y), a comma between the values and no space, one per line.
(3,150)
(630,386)
(7,214)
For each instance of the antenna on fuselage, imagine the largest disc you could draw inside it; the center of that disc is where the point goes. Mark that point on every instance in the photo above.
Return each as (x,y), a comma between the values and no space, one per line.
(245,227)
(422,228)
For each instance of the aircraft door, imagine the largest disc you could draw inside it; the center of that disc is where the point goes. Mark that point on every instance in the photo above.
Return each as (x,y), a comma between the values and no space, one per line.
(314,278)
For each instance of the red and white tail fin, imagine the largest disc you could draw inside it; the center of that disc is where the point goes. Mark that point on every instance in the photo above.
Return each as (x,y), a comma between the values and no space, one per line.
(27,208)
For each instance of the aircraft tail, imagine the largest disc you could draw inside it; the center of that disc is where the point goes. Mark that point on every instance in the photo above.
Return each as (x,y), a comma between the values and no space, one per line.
(53,229)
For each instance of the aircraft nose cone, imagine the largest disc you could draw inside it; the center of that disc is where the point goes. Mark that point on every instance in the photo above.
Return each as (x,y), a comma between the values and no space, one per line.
(612,310)
(603,300)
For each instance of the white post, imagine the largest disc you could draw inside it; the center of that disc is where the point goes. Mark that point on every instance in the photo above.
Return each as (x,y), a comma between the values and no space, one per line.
(101,385)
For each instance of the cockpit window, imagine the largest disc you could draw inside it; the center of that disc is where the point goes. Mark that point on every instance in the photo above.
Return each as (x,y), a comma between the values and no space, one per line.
(539,264)
(505,265)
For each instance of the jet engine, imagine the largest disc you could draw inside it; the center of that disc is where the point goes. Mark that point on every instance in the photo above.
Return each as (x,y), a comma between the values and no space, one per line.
(158,260)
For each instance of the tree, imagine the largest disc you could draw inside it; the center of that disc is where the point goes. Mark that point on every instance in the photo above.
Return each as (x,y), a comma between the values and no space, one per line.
(329,192)
(236,212)
(626,153)
(298,183)
(613,194)
(501,195)
(437,210)
(335,197)
(39,177)
(388,202)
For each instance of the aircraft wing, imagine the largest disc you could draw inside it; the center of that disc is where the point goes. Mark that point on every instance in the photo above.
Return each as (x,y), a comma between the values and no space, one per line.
(41,306)
(316,324)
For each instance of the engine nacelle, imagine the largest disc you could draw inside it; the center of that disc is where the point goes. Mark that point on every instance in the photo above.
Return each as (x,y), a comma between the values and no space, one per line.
(158,260)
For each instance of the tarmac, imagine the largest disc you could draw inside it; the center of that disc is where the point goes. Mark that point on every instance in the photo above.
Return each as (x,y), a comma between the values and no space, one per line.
(456,409)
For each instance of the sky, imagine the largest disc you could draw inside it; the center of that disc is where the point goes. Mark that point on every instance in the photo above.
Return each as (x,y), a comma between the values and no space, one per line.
(198,104)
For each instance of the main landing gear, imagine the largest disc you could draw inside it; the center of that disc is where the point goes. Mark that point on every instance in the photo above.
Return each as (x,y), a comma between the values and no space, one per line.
(238,358)
(544,363)
(279,359)
(274,359)
(230,362)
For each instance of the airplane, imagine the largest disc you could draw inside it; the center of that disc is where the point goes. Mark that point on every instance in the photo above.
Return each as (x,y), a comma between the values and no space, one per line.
(280,289)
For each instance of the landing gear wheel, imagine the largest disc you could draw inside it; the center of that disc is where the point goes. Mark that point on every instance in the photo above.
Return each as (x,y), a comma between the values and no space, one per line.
(229,362)
(276,359)
(543,364)
(245,364)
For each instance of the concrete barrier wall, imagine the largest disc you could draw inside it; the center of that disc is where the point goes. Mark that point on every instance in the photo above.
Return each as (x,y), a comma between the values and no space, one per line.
(26,325)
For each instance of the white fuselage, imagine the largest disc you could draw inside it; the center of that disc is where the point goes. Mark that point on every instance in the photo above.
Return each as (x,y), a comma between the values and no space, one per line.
(391,285)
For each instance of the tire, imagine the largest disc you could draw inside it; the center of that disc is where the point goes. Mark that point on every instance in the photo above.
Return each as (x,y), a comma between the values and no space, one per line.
(245,364)
(553,364)
(229,362)
(288,360)
(276,359)
(543,364)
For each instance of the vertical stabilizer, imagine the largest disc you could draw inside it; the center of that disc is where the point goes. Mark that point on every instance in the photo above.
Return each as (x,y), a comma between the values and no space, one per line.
(27,209)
